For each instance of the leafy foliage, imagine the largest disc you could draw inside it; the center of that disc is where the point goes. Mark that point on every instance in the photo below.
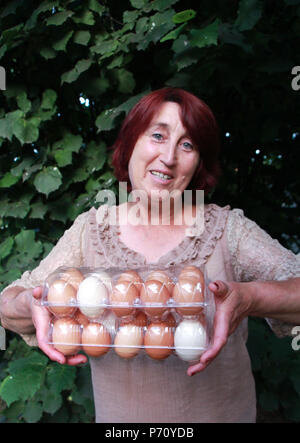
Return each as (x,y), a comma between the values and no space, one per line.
(73,70)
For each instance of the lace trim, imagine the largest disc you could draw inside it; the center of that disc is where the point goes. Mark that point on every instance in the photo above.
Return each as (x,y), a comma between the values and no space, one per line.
(105,239)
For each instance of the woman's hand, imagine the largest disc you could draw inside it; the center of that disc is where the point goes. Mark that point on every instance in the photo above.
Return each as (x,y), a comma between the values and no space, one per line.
(41,318)
(233,304)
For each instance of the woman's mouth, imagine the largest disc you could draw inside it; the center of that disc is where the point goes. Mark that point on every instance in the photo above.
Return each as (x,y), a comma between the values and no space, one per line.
(160,177)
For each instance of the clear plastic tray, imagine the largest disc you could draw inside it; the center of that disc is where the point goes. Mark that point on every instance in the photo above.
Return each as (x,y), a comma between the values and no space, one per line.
(160,311)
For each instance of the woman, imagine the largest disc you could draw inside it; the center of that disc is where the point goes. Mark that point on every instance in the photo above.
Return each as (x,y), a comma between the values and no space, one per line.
(171,132)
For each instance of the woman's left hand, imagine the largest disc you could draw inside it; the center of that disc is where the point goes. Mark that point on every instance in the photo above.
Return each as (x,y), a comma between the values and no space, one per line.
(233,304)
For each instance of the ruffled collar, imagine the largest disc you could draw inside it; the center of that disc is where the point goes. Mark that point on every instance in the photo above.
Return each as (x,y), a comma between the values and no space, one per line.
(106,239)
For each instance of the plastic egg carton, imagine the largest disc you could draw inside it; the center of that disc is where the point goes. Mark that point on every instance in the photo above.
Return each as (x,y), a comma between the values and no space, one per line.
(160,311)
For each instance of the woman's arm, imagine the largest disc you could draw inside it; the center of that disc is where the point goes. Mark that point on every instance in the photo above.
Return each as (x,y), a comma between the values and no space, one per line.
(275,299)
(267,284)
(20,309)
(15,310)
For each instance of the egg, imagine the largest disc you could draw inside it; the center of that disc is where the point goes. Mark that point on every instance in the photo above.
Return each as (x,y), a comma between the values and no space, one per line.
(154,296)
(123,297)
(132,276)
(81,318)
(92,297)
(66,336)
(163,278)
(159,340)
(140,319)
(104,277)
(192,271)
(95,339)
(72,276)
(169,320)
(190,340)
(128,340)
(61,296)
(188,290)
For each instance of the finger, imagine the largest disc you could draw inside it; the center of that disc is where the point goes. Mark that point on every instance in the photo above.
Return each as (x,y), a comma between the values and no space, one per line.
(37,292)
(78,359)
(219,341)
(219,288)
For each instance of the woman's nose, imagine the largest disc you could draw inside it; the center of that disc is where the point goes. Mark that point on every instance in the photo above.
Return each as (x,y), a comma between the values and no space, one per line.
(168,155)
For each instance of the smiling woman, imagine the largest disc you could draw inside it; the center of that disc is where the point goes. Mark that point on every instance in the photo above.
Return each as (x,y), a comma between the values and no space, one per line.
(169,142)
(197,123)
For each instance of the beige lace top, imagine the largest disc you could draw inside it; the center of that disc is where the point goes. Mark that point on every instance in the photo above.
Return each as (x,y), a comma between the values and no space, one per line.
(232,247)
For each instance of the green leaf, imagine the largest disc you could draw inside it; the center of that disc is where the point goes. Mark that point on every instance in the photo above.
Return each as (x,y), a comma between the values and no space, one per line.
(33,411)
(6,247)
(138,4)
(48,180)
(86,18)
(73,74)
(47,53)
(93,5)
(38,210)
(23,103)
(8,124)
(82,37)
(61,44)
(173,34)
(27,131)
(64,148)
(8,180)
(61,377)
(27,245)
(249,13)
(59,18)
(48,99)
(126,81)
(26,376)
(105,121)
(205,36)
(161,5)
(18,209)
(52,401)
(184,16)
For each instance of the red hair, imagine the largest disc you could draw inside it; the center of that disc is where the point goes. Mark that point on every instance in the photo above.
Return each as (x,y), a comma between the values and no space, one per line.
(196,117)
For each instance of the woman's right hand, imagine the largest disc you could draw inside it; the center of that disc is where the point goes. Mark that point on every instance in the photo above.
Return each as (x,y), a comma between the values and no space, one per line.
(41,318)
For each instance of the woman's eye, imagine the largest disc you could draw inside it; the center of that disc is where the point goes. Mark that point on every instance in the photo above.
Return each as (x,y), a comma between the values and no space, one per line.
(187,145)
(157,136)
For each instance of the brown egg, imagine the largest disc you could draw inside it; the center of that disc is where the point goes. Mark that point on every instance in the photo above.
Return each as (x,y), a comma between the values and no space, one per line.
(188,290)
(192,272)
(163,278)
(72,276)
(170,320)
(81,318)
(132,276)
(95,339)
(140,319)
(128,340)
(123,296)
(159,340)
(154,296)
(60,296)
(66,336)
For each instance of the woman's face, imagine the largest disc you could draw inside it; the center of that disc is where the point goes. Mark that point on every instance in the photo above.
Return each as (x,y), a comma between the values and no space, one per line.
(165,148)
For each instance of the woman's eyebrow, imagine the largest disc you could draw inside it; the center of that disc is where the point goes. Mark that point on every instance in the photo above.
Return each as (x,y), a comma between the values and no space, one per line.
(160,124)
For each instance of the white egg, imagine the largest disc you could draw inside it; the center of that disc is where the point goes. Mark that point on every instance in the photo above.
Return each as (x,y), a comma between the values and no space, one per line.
(92,295)
(190,340)
(104,277)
